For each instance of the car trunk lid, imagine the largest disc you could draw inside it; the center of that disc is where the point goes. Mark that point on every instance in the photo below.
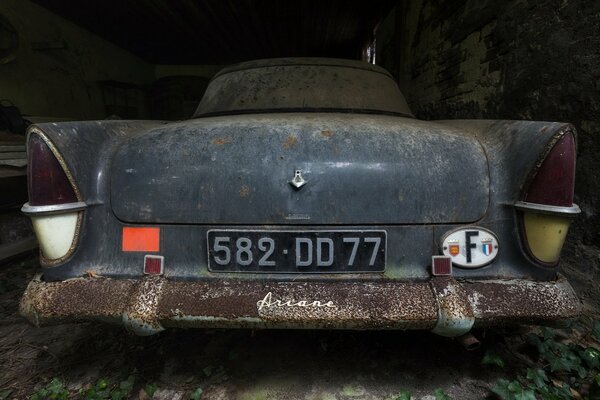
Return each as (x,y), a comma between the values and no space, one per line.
(359,169)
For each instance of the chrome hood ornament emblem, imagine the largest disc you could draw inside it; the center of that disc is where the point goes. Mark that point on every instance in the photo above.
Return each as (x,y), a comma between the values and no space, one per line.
(298,181)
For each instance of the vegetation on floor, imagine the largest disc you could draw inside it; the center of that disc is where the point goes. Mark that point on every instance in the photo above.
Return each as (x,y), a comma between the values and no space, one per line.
(566,367)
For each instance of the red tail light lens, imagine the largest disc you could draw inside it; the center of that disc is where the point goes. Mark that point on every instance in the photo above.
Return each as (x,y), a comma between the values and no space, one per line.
(554,181)
(547,209)
(47,181)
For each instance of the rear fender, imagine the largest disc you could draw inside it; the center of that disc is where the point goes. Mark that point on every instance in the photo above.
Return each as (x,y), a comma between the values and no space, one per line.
(84,148)
(515,149)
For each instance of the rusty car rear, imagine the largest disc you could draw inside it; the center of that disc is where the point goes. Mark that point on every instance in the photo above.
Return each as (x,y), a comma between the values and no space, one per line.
(302,194)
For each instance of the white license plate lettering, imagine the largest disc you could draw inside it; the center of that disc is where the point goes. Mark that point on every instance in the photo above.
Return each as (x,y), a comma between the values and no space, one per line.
(296,251)
(268,246)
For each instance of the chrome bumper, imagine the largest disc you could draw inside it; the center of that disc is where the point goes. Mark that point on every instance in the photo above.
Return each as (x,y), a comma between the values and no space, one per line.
(444,305)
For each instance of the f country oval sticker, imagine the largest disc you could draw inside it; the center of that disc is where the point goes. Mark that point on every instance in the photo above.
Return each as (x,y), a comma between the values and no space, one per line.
(470,247)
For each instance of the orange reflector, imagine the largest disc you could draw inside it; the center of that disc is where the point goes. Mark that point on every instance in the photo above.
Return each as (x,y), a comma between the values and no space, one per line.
(141,239)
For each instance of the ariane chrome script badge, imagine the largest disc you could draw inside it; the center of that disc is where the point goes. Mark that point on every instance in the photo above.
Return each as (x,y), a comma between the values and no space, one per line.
(470,247)
(268,302)
(298,181)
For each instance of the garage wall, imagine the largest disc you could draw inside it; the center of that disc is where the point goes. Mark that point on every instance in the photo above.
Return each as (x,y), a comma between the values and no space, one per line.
(64,71)
(516,59)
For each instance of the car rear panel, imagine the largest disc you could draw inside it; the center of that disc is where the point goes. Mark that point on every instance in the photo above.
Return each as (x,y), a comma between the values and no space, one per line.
(104,280)
(99,247)
(236,171)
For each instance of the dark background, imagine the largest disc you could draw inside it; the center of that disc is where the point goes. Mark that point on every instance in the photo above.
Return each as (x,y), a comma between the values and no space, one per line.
(152,59)
(517,59)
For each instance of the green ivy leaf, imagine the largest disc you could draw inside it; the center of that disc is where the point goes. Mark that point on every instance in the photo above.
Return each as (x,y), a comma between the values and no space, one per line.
(546,348)
(150,389)
(547,393)
(526,394)
(196,395)
(515,387)
(491,358)
(55,385)
(101,384)
(561,364)
(4,394)
(596,330)
(538,376)
(403,395)
(440,395)
(547,333)
(595,389)
(564,391)
(127,384)
(54,391)
(517,392)
(591,356)
(501,389)
(581,372)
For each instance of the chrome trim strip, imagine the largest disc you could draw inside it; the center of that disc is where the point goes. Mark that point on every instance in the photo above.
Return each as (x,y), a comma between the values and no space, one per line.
(53,208)
(547,209)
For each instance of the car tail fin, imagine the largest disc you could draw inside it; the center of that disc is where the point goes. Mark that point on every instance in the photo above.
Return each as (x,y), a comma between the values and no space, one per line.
(554,181)
(54,204)
(547,208)
(47,180)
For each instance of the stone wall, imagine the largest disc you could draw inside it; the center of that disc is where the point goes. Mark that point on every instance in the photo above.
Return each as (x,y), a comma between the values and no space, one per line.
(63,71)
(515,59)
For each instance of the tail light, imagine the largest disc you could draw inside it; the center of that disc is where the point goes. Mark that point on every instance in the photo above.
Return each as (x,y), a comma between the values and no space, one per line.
(47,181)
(53,206)
(547,207)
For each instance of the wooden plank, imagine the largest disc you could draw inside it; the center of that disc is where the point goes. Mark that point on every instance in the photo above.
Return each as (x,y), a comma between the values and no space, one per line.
(12,147)
(13,156)
(20,163)
(11,250)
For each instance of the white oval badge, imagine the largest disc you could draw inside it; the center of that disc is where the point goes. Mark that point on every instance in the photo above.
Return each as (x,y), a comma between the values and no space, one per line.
(470,247)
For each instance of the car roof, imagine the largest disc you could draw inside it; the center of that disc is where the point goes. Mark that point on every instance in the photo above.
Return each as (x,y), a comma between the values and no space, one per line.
(303,85)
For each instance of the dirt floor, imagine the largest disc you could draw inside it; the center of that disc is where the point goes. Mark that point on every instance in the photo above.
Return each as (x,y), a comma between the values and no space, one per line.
(258,365)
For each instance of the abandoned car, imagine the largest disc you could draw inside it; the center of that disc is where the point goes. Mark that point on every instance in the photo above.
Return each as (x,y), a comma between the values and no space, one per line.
(303,193)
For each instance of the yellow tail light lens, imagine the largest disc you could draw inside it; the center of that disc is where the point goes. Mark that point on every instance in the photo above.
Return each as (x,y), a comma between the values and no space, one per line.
(55,233)
(545,235)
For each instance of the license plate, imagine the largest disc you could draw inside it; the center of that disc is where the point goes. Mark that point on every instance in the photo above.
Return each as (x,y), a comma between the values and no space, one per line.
(296,251)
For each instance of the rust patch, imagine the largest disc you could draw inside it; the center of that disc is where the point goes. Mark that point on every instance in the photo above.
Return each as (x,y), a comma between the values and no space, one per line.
(92,274)
(455,315)
(522,302)
(327,133)
(82,298)
(221,141)
(140,315)
(155,302)
(244,191)
(290,142)
(359,305)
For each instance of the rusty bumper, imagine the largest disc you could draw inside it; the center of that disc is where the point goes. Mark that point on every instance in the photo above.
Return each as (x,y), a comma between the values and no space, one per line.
(444,305)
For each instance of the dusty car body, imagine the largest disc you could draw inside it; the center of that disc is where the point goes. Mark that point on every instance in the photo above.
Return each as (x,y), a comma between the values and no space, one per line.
(303,194)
